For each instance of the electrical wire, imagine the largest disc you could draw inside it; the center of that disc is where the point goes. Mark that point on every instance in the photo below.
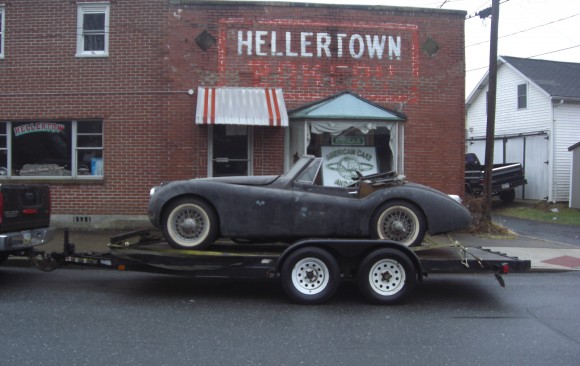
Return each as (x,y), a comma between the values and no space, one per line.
(525,30)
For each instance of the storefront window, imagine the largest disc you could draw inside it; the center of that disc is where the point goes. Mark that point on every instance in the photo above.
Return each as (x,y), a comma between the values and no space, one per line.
(349,147)
(51,149)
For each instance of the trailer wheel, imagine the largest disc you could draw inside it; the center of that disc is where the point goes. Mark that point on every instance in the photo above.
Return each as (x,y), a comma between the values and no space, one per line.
(399,221)
(507,196)
(310,276)
(190,223)
(386,276)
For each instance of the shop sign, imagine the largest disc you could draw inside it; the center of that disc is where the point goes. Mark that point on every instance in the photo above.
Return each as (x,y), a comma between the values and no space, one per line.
(37,127)
(356,46)
(340,164)
(348,140)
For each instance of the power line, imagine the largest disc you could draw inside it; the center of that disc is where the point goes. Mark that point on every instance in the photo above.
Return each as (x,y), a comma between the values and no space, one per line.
(541,54)
(525,30)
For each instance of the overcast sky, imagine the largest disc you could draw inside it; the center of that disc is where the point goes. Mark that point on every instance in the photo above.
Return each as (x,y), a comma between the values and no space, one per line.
(539,29)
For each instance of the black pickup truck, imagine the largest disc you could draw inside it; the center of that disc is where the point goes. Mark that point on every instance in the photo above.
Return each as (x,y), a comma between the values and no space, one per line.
(24,218)
(504,178)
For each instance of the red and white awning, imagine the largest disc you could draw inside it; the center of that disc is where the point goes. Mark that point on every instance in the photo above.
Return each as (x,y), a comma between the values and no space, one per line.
(240,106)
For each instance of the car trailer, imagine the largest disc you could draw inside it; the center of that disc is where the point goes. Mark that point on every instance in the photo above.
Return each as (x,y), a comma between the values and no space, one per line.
(310,270)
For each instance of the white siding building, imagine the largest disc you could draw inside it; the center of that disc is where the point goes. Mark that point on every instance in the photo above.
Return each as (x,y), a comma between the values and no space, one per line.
(537,119)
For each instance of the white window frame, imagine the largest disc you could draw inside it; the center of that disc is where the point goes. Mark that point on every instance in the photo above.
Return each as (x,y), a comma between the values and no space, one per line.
(6,172)
(2,20)
(526,95)
(92,8)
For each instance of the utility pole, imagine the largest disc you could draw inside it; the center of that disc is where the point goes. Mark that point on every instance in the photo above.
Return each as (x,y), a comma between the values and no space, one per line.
(491,105)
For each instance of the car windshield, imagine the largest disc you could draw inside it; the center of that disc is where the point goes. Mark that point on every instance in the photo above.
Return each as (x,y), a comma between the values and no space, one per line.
(309,175)
(297,167)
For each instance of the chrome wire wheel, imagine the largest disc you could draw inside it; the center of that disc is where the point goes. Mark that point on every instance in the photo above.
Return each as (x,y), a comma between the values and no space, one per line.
(399,221)
(190,224)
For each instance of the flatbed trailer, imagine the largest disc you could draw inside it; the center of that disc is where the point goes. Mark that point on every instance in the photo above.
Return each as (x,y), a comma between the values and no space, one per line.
(310,270)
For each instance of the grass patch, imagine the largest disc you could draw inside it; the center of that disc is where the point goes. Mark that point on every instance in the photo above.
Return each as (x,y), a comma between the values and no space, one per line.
(557,213)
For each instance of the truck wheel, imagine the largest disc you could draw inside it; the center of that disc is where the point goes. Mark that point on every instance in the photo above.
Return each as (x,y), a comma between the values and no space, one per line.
(399,221)
(386,276)
(189,223)
(507,196)
(310,276)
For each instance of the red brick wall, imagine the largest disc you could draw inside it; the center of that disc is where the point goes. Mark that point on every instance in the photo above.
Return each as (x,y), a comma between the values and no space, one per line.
(139,91)
(429,89)
(41,79)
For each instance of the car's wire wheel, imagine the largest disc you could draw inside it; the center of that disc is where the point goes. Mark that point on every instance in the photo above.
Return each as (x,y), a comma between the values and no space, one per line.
(190,223)
(401,222)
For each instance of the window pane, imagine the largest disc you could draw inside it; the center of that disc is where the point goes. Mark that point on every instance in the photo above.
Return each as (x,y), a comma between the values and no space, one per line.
(90,141)
(41,148)
(94,22)
(90,162)
(90,127)
(3,162)
(230,142)
(94,43)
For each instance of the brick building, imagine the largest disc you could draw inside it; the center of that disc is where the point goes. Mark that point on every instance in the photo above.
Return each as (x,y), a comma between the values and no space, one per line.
(103,100)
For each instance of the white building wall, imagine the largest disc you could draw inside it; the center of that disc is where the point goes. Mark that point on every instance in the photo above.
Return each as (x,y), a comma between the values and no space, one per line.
(508,119)
(566,133)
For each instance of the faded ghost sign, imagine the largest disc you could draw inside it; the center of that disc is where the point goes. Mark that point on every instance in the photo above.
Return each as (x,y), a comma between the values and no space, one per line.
(310,57)
(268,43)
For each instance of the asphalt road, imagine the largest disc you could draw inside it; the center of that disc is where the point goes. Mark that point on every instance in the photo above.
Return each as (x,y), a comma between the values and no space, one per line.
(565,234)
(98,317)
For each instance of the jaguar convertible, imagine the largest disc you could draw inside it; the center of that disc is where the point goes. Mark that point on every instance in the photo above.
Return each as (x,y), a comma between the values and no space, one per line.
(194,213)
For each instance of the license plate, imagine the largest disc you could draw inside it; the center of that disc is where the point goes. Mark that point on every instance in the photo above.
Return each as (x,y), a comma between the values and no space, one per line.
(505,186)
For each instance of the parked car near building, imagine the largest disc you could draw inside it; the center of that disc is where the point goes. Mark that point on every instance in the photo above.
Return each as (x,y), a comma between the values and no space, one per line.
(193,213)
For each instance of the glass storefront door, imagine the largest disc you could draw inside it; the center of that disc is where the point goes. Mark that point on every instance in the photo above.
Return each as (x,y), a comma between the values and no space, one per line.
(230,150)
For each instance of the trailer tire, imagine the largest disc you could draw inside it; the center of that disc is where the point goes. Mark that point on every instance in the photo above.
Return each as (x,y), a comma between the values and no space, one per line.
(386,276)
(310,276)
(507,196)
(399,221)
(189,223)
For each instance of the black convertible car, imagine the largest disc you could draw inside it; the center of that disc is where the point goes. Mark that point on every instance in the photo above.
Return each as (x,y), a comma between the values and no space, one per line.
(194,213)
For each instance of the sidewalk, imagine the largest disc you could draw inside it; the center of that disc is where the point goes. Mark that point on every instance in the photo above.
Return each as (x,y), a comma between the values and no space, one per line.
(545,255)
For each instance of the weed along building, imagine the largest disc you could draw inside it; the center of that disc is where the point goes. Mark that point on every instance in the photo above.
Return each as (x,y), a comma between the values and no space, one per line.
(104,100)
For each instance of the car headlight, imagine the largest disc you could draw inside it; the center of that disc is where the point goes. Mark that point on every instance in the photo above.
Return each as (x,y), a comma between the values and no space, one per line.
(152,191)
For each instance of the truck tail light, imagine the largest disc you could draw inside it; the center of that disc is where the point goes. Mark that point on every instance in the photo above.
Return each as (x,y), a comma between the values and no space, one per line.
(30,211)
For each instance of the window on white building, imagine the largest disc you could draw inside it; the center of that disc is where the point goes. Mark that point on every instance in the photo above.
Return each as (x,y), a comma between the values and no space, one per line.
(93,30)
(1,31)
(522,96)
(62,149)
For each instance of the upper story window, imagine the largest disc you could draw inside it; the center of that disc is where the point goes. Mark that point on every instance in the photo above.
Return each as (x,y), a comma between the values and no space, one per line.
(522,96)
(1,31)
(93,30)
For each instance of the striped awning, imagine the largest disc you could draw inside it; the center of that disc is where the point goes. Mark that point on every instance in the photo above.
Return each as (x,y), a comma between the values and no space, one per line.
(240,106)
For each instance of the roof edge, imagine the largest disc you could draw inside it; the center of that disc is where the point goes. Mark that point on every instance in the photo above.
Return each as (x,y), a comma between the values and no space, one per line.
(461,13)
